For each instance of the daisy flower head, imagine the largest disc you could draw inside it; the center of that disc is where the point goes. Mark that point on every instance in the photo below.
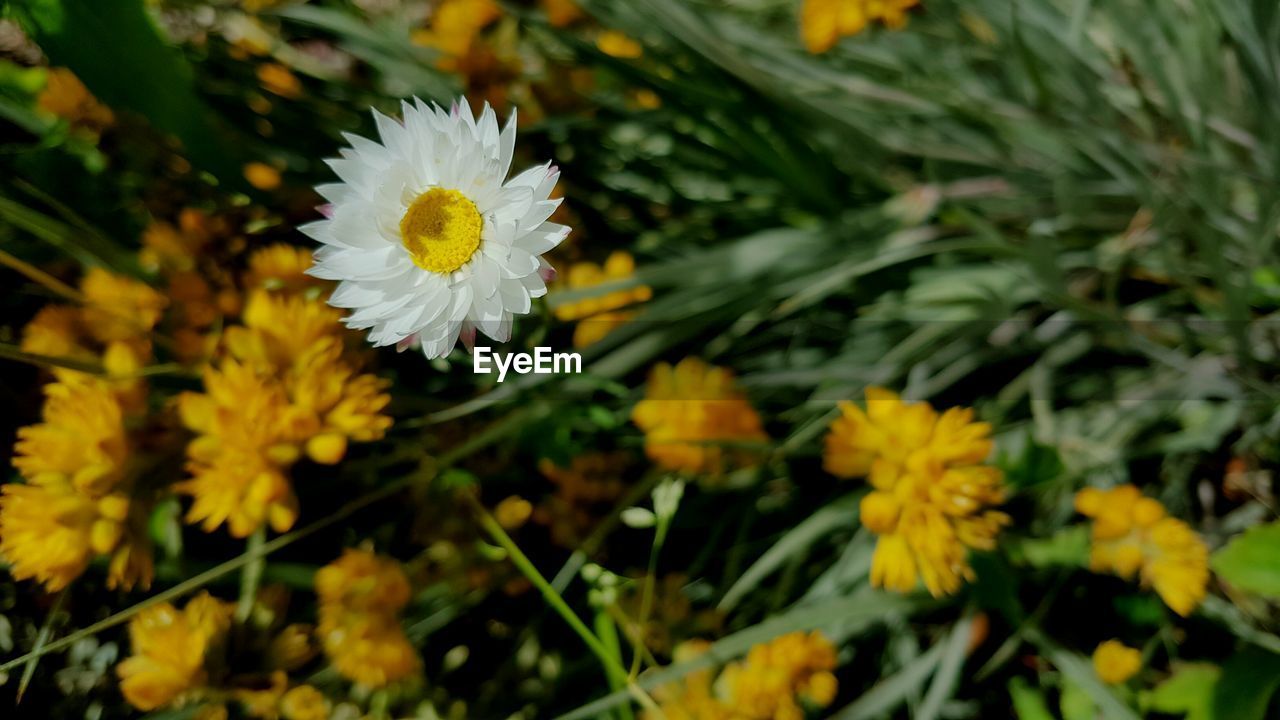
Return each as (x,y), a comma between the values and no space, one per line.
(427,237)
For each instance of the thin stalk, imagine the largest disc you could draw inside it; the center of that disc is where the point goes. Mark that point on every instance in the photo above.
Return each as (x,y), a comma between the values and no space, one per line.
(251,575)
(43,637)
(40,277)
(611,666)
(646,596)
(607,631)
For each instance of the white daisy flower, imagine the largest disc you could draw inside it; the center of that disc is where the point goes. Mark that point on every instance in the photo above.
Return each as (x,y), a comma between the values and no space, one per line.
(427,237)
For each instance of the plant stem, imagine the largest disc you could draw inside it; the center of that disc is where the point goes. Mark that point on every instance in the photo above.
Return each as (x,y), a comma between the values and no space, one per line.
(612,667)
(251,575)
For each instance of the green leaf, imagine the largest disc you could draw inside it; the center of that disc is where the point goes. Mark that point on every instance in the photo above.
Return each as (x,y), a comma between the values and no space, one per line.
(1189,690)
(1028,702)
(841,513)
(1036,464)
(117,53)
(1252,561)
(1067,547)
(1075,703)
(1244,690)
(948,675)
(889,693)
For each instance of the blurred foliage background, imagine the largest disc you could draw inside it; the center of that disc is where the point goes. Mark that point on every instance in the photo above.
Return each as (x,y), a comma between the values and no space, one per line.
(1060,213)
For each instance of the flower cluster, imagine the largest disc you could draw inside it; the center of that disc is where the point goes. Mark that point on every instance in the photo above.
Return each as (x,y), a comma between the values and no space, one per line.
(171,651)
(931,499)
(776,681)
(1133,535)
(202,657)
(111,328)
(824,22)
(599,316)
(202,293)
(287,387)
(693,415)
(361,596)
(75,504)
(584,492)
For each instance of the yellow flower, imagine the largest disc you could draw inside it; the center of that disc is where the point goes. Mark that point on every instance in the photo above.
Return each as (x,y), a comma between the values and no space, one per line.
(55,331)
(1132,535)
(262,176)
(119,308)
(304,703)
(238,461)
(285,390)
(333,404)
(694,697)
(262,700)
(931,498)
(776,681)
(363,581)
(279,329)
(59,331)
(280,267)
(360,597)
(561,13)
(49,531)
(455,25)
(688,411)
(513,512)
(824,22)
(65,96)
(72,508)
(599,316)
(1115,662)
(164,247)
(82,438)
(170,649)
(618,45)
(280,80)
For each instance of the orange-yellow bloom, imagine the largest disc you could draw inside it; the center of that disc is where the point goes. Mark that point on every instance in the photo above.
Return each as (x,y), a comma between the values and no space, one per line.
(618,45)
(280,267)
(280,80)
(82,438)
(119,308)
(361,596)
(1115,662)
(824,22)
(598,316)
(689,412)
(304,703)
(65,96)
(1133,535)
(239,460)
(49,531)
(931,499)
(561,13)
(170,649)
(262,176)
(455,24)
(73,506)
(777,680)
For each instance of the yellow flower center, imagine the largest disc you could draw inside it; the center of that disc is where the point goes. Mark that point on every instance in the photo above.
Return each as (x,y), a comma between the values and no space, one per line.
(441,230)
